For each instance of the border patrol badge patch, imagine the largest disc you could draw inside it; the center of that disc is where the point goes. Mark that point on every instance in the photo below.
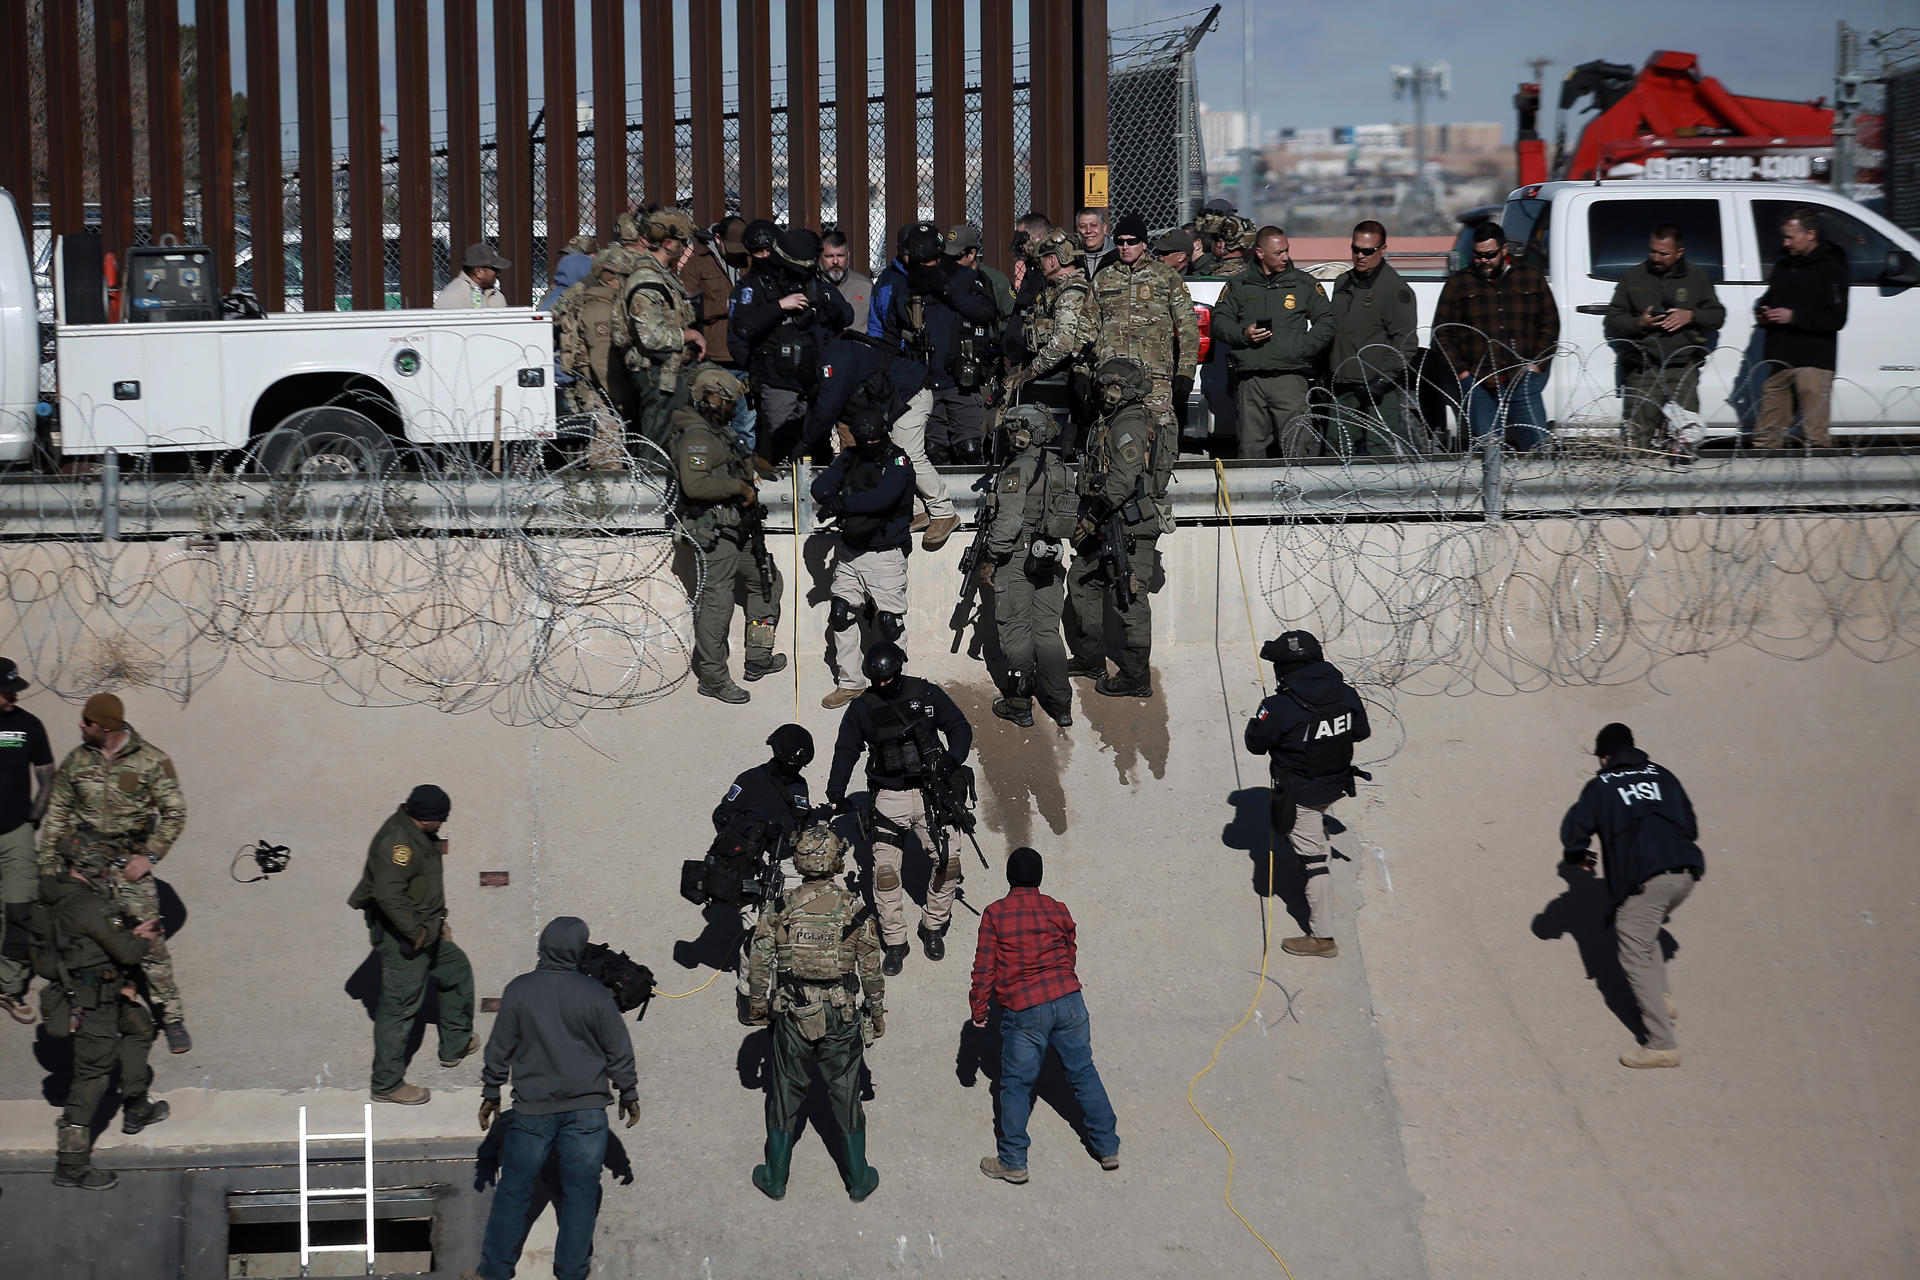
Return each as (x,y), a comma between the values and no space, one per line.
(1289,304)
(402,855)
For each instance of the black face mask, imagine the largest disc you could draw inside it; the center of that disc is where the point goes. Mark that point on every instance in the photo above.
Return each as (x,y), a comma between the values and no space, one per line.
(785,769)
(889,689)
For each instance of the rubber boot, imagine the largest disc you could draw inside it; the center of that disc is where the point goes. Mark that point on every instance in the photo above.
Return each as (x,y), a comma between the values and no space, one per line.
(75,1166)
(771,1177)
(862,1177)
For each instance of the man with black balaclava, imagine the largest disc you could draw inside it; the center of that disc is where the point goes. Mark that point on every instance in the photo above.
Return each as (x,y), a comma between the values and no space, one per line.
(1307,730)
(909,428)
(766,806)
(1032,509)
(943,318)
(782,317)
(898,723)
(869,491)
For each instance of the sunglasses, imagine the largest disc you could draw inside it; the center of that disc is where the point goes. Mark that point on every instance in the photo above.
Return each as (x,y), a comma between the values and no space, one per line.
(1359,252)
(1128,240)
(1487,257)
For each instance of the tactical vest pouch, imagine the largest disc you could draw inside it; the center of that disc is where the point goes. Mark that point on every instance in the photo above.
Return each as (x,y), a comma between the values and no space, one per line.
(1282,809)
(964,365)
(693,881)
(43,944)
(1043,559)
(56,1012)
(809,1018)
(794,357)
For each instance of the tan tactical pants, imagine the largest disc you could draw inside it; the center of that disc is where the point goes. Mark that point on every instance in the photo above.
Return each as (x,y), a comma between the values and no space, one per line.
(905,811)
(1808,390)
(1636,925)
(1310,845)
(609,449)
(859,576)
(910,434)
(19,888)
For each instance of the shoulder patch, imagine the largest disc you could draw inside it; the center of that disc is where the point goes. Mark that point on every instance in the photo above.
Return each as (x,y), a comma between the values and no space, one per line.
(166,767)
(733,793)
(746,293)
(1406,295)
(402,855)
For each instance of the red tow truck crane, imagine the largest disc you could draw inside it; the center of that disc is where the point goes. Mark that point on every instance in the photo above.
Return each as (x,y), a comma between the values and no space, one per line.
(1669,121)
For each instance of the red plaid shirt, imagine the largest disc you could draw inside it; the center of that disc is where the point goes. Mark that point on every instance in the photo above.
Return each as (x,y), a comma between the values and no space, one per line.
(1025,953)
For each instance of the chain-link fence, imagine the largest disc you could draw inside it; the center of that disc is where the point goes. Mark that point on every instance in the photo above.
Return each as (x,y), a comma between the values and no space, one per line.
(1876,119)
(1157,167)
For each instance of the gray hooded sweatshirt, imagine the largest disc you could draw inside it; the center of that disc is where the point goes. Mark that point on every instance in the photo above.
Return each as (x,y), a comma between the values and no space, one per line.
(559,1033)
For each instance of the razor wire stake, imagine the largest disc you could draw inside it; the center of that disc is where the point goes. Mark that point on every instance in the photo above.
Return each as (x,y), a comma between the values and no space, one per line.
(110,497)
(1491,499)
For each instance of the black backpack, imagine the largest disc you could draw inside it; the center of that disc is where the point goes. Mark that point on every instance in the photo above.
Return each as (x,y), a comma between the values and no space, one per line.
(630,983)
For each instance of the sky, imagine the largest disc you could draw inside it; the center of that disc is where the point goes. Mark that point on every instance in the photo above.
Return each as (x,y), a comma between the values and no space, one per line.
(1314,65)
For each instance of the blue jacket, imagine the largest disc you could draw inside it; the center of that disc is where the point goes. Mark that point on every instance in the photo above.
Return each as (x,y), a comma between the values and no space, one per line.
(848,361)
(1644,820)
(887,502)
(956,298)
(569,271)
(893,276)
(1312,744)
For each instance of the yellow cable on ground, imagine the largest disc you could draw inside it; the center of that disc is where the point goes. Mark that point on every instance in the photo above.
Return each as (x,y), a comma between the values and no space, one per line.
(682,995)
(1266,905)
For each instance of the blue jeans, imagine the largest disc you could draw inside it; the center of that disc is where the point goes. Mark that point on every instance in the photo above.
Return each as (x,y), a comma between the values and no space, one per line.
(578,1140)
(1519,404)
(1024,1037)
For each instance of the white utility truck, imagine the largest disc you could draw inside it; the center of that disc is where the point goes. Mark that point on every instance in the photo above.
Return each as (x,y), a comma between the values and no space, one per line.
(326,391)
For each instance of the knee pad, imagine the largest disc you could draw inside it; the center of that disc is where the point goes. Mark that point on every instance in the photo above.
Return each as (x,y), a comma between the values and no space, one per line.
(842,615)
(886,878)
(892,625)
(19,929)
(760,633)
(953,875)
(1316,866)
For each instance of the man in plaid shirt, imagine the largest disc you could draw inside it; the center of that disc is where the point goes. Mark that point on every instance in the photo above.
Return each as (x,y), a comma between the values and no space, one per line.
(1497,324)
(1024,959)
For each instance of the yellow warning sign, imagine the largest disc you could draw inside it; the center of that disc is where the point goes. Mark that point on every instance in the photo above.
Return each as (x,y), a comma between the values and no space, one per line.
(1093,186)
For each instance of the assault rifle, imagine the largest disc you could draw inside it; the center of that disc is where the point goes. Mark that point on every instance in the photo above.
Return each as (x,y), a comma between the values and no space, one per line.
(753,519)
(1109,542)
(977,549)
(949,806)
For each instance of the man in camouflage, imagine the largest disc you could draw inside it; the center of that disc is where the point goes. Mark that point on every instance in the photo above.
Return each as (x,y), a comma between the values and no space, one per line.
(118,793)
(1147,314)
(653,323)
(802,982)
(1229,240)
(1031,509)
(1127,468)
(600,387)
(97,957)
(719,507)
(1057,336)
(403,895)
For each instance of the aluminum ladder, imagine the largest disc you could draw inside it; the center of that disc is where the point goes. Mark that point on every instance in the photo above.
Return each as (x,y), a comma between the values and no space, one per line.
(309,1194)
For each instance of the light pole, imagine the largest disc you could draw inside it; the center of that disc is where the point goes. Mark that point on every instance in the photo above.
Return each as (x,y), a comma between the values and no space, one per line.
(1418,79)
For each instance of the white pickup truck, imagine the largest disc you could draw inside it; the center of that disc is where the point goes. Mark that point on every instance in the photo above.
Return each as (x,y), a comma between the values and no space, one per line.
(327,391)
(1586,234)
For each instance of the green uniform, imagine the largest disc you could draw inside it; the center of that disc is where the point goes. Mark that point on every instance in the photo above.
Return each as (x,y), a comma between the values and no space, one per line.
(1002,296)
(1120,452)
(403,896)
(1026,505)
(649,332)
(1272,377)
(806,952)
(134,804)
(1147,313)
(1661,368)
(715,481)
(100,956)
(1373,335)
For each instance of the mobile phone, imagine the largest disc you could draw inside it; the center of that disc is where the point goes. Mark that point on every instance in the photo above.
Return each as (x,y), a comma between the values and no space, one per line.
(1265,322)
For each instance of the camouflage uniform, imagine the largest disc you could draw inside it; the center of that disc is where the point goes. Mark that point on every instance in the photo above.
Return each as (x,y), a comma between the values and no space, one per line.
(133,804)
(801,975)
(715,479)
(1147,313)
(1120,453)
(1230,234)
(1026,506)
(649,332)
(584,317)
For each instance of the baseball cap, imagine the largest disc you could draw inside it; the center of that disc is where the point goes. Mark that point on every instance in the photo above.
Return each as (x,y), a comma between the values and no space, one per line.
(11,680)
(481,254)
(1174,242)
(960,239)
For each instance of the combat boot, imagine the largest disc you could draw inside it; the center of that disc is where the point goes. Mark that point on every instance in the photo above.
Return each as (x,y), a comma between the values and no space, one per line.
(1116,687)
(1096,669)
(75,1163)
(1641,1057)
(896,959)
(142,1110)
(1325,948)
(1062,717)
(938,531)
(728,692)
(771,1177)
(1022,716)
(862,1177)
(760,669)
(934,942)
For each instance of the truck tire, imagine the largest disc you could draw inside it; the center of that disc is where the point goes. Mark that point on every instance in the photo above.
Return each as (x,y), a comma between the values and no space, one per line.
(328,443)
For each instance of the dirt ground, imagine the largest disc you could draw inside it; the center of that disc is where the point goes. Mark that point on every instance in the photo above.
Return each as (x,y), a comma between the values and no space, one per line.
(1442,1099)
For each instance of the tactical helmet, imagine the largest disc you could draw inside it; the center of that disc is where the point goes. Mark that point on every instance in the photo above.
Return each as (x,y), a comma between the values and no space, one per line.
(667,224)
(714,391)
(1237,233)
(867,422)
(792,745)
(1292,649)
(1058,243)
(1040,426)
(86,852)
(1123,380)
(798,248)
(616,258)
(883,662)
(582,243)
(626,229)
(759,236)
(819,852)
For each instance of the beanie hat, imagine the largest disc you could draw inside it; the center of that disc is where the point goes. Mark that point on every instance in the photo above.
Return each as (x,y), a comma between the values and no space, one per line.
(104,709)
(1611,740)
(1024,868)
(1132,225)
(428,803)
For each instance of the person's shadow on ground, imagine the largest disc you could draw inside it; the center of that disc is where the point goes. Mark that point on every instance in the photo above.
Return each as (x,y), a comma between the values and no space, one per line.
(364,985)
(1250,830)
(1586,912)
(717,947)
(978,1054)
(755,1064)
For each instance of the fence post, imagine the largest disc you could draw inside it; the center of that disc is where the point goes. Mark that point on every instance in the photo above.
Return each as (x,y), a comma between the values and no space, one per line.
(110,497)
(1492,500)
